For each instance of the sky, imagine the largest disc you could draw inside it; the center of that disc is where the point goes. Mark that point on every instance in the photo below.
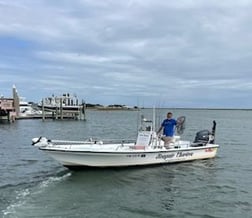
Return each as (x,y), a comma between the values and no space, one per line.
(186,53)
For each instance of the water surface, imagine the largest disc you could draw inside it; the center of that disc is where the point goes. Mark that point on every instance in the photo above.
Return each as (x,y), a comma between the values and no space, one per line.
(34,185)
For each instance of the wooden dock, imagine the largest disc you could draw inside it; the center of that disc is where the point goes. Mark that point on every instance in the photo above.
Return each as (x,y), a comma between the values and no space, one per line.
(63,107)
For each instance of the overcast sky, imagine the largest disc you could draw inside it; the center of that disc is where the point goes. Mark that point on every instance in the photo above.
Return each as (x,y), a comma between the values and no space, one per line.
(186,53)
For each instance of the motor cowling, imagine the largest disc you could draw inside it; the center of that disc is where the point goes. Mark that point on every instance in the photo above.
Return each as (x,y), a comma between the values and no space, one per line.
(205,136)
(202,136)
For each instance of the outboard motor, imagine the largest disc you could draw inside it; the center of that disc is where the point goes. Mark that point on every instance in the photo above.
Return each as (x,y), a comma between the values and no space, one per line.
(205,136)
(202,136)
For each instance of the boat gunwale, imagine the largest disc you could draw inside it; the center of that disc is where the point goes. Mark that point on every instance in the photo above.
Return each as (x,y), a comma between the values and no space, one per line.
(135,151)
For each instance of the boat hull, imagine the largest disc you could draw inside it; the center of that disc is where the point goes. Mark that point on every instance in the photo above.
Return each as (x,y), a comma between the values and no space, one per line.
(130,158)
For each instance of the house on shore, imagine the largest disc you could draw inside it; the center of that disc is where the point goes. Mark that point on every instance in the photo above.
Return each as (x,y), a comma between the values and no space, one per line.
(7,109)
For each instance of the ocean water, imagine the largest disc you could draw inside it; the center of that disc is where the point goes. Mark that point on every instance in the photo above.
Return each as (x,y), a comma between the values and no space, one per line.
(34,185)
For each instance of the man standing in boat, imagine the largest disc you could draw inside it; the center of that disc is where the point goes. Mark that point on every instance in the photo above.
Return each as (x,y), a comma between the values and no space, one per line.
(168,126)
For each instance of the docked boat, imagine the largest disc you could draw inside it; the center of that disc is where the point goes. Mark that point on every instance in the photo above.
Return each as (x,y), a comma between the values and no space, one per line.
(26,109)
(147,149)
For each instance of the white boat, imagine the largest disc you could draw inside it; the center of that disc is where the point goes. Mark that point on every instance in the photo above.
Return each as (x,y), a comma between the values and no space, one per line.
(23,108)
(26,109)
(147,149)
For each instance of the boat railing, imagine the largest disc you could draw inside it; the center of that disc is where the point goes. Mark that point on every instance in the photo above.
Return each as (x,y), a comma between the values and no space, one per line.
(118,141)
(93,141)
(66,142)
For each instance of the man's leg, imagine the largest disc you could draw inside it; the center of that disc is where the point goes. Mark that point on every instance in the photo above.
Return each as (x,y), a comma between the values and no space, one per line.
(167,140)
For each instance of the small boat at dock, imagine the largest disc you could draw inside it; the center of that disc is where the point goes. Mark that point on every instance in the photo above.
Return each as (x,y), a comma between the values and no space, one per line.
(147,149)
(27,110)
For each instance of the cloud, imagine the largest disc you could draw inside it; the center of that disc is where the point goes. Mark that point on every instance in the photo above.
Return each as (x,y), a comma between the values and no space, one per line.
(121,51)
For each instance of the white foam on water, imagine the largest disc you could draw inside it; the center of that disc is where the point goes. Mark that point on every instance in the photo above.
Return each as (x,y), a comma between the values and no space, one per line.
(20,200)
(52,179)
(23,195)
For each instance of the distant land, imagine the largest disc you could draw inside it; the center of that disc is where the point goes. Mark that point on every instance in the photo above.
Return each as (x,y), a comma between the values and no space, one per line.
(118,106)
(110,107)
(97,106)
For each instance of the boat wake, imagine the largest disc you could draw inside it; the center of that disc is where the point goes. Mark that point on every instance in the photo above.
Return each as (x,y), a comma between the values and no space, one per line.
(23,195)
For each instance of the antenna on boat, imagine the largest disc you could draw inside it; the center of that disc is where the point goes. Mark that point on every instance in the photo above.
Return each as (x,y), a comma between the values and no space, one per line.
(139,117)
(154,119)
